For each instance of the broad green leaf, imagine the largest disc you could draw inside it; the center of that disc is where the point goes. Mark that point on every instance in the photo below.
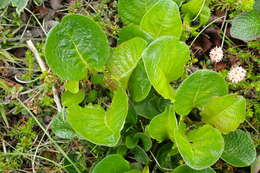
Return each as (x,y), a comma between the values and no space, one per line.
(113,163)
(257,5)
(131,31)
(19,4)
(131,115)
(163,19)
(97,125)
(151,106)
(140,155)
(225,113)
(179,2)
(239,149)
(133,171)
(72,86)
(125,58)
(200,148)
(204,16)
(163,125)
(146,170)
(186,169)
(194,7)
(198,89)
(168,157)
(4,3)
(68,99)
(132,11)
(133,141)
(246,26)
(76,45)
(61,128)
(164,61)
(139,84)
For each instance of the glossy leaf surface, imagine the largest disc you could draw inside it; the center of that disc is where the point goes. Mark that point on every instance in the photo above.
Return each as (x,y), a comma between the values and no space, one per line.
(125,58)
(164,61)
(151,106)
(113,163)
(139,84)
(163,125)
(69,99)
(200,148)
(162,19)
(75,45)
(225,113)
(132,11)
(72,86)
(239,149)
(61,127)
(97,125)
(198,89)
(131,31)
(186,169)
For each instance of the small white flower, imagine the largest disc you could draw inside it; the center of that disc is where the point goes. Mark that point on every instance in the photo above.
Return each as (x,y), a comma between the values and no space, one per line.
(216,54)
(237,74)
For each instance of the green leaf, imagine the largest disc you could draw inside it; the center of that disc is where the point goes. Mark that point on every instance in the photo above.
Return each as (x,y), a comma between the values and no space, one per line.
(97,125)
(132,141)
(19,4)
(162,19)
(125,58)
(204,16)
(131,115)
(113,163)
(61,127)
(225,113)
(163,125)
(139,84)
(193,7)
(178,2)
(186,169)
(131,31)
(4,3)
(72,86)
(198,89)
(200,148)
(77,160)
(151,106)
(68,99)
(75,45)
(168,157)
(140,155)
(257,5)
(196,9)
(132,11)
(239,149)
(164,61)
(133,171)
(246,26)
(146,169)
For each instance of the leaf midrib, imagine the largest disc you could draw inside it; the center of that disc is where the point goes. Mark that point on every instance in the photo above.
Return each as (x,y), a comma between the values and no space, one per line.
(80,56)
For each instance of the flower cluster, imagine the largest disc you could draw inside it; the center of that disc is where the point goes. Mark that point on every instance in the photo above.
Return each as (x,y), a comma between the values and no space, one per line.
(216,54)
(237,74)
